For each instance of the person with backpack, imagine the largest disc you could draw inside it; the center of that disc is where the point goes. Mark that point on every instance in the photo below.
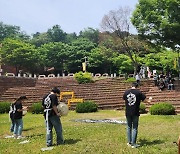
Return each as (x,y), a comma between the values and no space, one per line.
(18,113)
(51,115)
(11,118)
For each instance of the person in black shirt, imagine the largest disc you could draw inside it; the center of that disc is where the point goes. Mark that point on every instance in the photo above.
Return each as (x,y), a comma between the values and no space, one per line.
(11,116)
(51,114)
(18,113)
(132,98)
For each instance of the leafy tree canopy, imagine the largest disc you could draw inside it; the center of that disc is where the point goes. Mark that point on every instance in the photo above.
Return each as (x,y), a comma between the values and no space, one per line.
(158,21)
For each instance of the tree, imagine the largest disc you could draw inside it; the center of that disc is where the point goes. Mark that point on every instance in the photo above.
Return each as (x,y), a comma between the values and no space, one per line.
(123,63)
(158,21)
(56,34)
(100,60)
(40,39)
(164,61)
(9,31)
(55,55)
(117,24)
(91,34)
(80,48)
(19,54)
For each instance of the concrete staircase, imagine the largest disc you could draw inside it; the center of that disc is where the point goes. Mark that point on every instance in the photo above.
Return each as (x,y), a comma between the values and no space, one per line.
(107,93)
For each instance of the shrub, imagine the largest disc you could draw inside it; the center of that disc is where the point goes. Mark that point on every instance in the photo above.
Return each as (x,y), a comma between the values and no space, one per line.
(162,108)
(4,107)
(83,77)
(130,80)
(86,107)
(142,108)
(37,108)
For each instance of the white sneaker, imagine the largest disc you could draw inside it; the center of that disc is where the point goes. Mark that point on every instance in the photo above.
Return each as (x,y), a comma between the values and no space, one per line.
(10,136)
(20,137)
(128,144)
(135,146)
(15,136)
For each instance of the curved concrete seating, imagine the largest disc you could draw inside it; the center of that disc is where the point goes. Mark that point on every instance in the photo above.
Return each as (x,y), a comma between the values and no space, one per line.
(130,75)
(10,74)
(105,75)
(41,76)
(122,75)
(71,74)
(51,76)
(97,75)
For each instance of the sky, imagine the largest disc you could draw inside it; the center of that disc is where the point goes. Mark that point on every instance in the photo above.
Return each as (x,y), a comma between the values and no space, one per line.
(72,15)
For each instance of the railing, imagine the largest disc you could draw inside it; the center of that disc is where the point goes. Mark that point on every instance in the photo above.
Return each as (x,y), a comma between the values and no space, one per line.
(72,99)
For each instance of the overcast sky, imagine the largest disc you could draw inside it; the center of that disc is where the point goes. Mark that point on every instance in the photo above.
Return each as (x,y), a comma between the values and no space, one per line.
(72,15)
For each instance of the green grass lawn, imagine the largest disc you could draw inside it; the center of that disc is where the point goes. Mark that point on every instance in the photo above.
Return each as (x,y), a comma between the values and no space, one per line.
(156,135)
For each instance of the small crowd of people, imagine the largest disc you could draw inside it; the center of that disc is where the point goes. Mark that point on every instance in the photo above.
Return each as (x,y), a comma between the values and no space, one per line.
(163,81)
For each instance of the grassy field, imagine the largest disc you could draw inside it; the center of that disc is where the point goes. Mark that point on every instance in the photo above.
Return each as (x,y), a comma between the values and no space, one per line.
(156,135)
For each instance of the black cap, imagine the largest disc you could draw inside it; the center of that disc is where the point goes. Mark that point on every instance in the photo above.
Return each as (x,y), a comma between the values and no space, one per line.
(22,97)
(56,90)
(135,84)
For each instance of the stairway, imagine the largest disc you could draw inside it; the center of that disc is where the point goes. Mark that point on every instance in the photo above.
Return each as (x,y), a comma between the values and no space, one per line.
(106,93)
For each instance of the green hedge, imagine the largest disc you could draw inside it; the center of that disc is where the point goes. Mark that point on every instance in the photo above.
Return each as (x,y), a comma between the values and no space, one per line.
(162,108)
(142,108)
(131,79)
(37,108)
(4,107)
(83,77)
(86,107)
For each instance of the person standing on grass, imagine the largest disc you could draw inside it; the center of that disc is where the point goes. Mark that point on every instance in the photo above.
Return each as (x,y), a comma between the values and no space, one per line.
(133,98)
(11,117)
(18,113)
(51,115)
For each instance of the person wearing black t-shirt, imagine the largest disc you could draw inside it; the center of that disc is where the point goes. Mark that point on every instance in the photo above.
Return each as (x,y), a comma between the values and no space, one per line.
(133,98)
(11,116)
(17,115)
(51,114)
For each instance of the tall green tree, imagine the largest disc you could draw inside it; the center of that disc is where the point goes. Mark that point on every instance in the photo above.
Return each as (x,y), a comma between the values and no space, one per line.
(123,64)
(19,54)
(91,34)
(80,49)
(164,61)
(56,34)
(39,39)
(158,21)
(55,55)
(9,31)
(100,60)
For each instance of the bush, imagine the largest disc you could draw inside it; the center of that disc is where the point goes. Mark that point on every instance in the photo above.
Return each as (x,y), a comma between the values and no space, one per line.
(83,77)
(162,108)
(130,80)
(37,108)
(4,107)
(86,107)
(142,108)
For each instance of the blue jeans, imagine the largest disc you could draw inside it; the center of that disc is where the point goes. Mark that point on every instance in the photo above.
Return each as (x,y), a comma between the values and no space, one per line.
(132,128)
(54,121)
(12,126)
(18,126)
